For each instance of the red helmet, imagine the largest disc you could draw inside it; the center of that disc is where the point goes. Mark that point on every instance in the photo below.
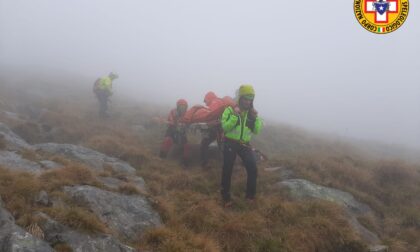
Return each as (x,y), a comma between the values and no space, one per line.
(181,102)
(210,96)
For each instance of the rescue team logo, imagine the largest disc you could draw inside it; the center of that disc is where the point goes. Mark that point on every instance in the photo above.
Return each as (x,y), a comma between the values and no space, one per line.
(381,16)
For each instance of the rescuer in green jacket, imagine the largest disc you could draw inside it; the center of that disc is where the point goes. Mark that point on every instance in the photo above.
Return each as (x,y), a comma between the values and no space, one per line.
(239,123)
(103,90)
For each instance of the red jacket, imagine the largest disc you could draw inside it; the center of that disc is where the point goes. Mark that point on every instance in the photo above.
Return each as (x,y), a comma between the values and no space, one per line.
(174,118)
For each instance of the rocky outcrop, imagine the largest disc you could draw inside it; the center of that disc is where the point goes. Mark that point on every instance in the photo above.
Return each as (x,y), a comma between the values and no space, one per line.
(115,184)
(16,162)
(50,165)
(56,233)
(304,189)
(89,157)
(12,141)
(378,248)
(301,188)
(128,215)
(15,239)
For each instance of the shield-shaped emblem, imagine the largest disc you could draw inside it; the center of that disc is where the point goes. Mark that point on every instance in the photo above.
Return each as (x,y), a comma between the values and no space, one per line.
(381,7)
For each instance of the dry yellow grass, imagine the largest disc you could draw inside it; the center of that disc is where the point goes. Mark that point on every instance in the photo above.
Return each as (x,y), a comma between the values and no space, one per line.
(77,218)
(19,191)
(188,200)
(67,176)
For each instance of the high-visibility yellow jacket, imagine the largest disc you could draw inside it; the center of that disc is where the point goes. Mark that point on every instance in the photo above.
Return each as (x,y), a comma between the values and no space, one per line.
(239,127)
(105,83)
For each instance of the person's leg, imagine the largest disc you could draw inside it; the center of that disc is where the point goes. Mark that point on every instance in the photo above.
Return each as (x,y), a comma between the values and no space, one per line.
(250,162)
(229,156)
(167,143)
(105,104)
(186,151)
(102,101)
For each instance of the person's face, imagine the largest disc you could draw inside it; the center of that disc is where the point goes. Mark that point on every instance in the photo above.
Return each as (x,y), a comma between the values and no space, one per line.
(246,102)
(181,109)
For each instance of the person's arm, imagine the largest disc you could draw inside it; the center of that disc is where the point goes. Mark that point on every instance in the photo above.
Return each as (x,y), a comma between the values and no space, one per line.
(96,85)
(254,122)
(229,119)
(171,118)
(258,125)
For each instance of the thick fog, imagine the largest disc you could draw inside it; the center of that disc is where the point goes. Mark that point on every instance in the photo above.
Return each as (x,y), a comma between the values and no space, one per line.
(311,63)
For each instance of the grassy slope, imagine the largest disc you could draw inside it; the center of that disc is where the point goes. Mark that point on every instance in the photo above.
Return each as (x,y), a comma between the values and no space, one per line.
(188,200)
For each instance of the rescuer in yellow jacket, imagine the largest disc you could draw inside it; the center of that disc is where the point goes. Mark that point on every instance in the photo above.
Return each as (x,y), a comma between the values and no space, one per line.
(103,90)
(239,123)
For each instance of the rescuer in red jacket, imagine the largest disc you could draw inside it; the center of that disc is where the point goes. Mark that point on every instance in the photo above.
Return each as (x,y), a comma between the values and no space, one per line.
(176,132)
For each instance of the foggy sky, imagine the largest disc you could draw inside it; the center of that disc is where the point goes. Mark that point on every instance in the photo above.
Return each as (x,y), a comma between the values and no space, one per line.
(311,63)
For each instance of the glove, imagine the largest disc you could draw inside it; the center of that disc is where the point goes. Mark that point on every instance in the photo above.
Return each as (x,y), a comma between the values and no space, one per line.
(237,111)
(252,114)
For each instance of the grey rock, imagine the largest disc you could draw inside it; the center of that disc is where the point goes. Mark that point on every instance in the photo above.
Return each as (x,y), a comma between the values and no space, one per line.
(50,165)
(42,198)
(115,183)
(303,189)
(111,182)
(91,158)
(129,215)
(15,162)
(378,248)
(15,239)
(287,174)
(13,141)
(80,242)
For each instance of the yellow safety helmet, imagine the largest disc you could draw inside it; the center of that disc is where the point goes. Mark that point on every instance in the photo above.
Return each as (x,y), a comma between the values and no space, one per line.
(246,90)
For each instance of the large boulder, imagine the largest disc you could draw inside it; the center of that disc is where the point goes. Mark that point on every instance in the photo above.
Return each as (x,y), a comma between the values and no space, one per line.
(129,215)
(304,189)
(79,242)
(16,162)
(15,239)
(12,141)
(301,188)
(89,157)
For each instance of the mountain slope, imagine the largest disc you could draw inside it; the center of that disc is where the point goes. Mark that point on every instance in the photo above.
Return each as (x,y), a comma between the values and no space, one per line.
(188,199)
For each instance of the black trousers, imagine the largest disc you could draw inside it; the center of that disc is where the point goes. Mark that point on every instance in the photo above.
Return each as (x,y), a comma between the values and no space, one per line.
(230,150)
(103,97)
